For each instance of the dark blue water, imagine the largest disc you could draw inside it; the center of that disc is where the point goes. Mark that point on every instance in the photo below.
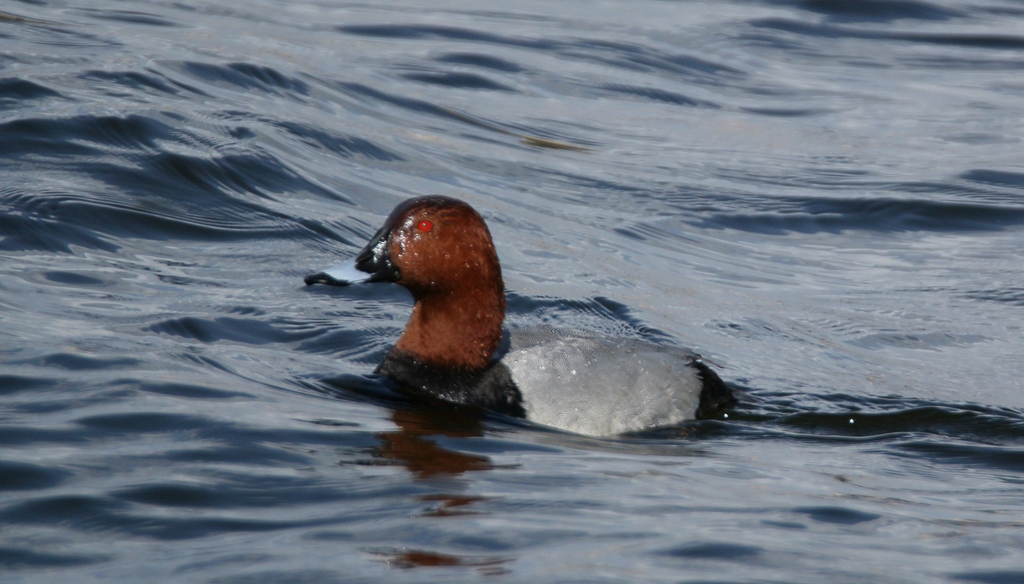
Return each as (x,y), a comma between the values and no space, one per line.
(824,197)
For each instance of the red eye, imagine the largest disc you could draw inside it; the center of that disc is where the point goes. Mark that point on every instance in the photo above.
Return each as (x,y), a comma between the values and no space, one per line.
(425,225)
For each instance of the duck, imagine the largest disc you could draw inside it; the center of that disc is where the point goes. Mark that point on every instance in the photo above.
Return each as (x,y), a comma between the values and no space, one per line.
(455,348)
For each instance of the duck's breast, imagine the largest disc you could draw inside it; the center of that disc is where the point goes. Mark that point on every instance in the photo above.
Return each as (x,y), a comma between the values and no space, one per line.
(601,386)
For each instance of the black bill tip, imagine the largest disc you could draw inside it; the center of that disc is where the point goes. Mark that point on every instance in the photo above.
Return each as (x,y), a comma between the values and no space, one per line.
(323,278)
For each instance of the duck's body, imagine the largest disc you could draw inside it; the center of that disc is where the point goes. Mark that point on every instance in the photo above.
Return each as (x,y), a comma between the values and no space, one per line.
(597,385)
(452,348)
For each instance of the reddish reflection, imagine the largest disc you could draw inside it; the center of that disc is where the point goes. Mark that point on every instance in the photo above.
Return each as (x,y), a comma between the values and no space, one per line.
(489,566)
(414,445)
(420,558)
(449,505)
(411,447)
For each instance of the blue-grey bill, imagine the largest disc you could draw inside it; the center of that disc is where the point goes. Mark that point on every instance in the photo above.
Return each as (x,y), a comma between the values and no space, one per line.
(340,275)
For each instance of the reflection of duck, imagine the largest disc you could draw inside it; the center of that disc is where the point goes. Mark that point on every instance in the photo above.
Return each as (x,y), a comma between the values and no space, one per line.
(422,456)
(450,505)
(488,566)
(440,249)
(412,447)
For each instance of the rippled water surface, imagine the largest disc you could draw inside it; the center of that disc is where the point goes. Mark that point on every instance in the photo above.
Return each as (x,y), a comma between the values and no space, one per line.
(824,197)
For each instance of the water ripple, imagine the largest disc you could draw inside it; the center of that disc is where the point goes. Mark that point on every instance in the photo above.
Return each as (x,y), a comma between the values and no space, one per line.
(824,194)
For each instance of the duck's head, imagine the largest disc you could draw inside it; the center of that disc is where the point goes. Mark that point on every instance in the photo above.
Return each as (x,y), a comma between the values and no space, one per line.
(440,249)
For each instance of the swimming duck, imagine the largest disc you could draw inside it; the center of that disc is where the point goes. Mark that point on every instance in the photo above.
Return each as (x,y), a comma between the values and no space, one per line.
(454,347)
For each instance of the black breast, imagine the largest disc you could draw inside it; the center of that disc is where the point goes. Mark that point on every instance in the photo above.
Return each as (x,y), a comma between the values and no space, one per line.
(491,389)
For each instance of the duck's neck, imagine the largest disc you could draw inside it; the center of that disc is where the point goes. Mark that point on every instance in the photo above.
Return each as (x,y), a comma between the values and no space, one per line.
(457,329)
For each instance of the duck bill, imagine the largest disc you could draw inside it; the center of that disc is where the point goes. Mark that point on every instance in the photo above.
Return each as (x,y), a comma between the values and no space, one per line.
(341,275)
(372,264)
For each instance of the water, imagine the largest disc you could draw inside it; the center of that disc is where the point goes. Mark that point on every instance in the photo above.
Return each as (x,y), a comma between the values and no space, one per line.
(825,197)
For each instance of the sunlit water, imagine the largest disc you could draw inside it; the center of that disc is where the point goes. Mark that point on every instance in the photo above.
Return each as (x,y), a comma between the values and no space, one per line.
(824,197)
